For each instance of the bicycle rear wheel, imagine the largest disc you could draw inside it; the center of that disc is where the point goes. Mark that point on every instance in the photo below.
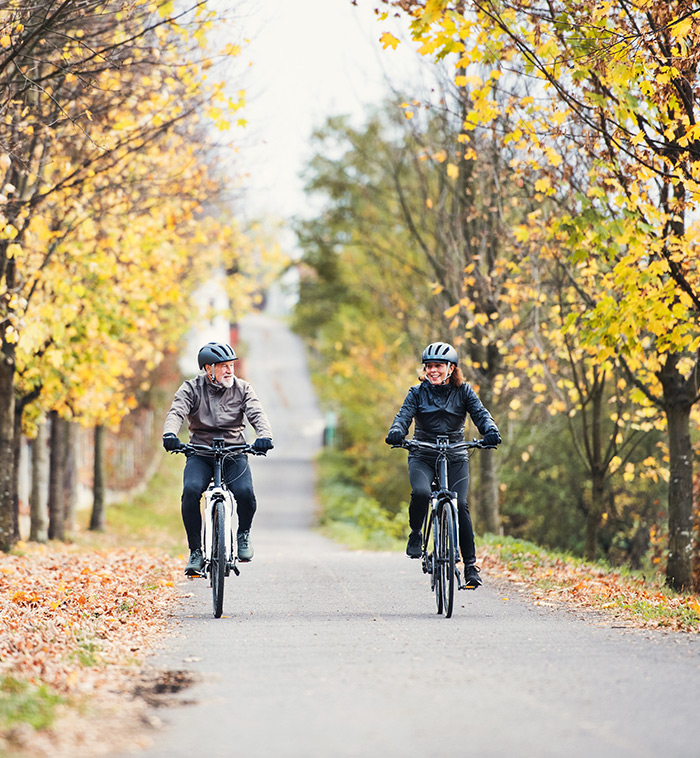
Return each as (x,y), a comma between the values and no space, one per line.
(446,558)
(217,566)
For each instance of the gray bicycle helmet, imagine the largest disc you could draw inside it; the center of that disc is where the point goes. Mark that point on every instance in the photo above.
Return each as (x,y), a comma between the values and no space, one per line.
(215,352)
(439,352)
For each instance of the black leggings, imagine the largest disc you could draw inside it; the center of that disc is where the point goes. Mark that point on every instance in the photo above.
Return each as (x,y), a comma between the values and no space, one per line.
(421,472)
(198,472)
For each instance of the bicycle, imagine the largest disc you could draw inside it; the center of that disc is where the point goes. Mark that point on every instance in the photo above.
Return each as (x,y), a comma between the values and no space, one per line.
(439,543)
(217,521)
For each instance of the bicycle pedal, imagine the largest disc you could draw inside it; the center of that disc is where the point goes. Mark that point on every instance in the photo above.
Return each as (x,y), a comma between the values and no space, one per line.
(196,575)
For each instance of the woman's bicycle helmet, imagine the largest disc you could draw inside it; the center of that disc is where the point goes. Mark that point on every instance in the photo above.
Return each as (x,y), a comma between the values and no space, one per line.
(439,352)
(215,352)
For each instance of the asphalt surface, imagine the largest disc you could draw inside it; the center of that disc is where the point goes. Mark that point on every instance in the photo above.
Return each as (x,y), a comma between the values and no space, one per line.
(326,652)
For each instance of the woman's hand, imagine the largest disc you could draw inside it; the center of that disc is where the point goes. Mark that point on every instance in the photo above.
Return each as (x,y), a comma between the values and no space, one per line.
(492,438)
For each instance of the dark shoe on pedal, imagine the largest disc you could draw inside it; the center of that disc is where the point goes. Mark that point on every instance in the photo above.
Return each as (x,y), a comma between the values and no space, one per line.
(413,549)
(195,565)
(472,580)
(245,548)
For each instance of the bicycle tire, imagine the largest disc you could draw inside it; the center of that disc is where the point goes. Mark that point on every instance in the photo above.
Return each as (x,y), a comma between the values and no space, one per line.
(218,559)
(437,573)
(446,558)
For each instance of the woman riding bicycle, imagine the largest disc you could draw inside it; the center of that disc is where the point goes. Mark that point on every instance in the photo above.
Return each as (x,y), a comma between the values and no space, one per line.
(439,406)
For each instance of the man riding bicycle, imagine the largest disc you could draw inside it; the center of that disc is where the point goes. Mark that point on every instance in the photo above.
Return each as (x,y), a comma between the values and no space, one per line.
(439,406)
(216,403)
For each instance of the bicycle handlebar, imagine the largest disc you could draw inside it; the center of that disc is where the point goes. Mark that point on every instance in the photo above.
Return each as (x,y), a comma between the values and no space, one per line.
(243,447)
(440,447)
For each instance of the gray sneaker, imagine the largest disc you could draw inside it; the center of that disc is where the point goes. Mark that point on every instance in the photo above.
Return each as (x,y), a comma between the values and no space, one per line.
(245,548)
(195,565)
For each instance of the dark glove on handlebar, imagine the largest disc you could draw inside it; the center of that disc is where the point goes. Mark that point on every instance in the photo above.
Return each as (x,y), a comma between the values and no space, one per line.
(171,442)
(394,437)
(492,438)
(262,444)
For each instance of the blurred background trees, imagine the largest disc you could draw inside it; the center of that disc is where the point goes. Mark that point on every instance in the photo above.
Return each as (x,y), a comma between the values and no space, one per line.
(536,208)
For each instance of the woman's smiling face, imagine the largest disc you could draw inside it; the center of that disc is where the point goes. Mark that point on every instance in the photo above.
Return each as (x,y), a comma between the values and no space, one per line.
(437,373)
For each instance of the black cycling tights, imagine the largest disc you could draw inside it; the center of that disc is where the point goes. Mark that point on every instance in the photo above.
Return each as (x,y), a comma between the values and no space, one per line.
(195,479)
(421,471)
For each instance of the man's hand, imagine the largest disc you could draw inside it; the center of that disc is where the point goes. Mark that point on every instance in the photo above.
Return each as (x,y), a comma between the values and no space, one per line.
(492,438)
(394,437)
(171,442)
(262,444)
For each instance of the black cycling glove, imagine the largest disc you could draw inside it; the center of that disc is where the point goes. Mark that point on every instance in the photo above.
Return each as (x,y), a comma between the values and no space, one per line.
(171,442)
(394,437)
(492,438)
(262,444)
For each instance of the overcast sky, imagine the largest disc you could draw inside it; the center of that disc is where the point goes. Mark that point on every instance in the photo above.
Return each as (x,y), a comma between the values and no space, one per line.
(310,59)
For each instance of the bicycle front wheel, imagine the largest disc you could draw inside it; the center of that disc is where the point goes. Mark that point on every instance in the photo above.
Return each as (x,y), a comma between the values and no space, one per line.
(217,567)
(436,580)
(446,558)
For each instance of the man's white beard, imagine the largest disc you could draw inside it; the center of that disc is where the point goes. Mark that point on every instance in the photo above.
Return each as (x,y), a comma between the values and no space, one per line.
(227,381)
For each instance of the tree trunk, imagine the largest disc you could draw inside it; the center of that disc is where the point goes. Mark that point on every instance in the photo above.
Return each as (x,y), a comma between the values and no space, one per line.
(489,512)
(488,506)
(594,514)
(678,401)
(17,446)
(57,460)
(680,499)
(38,498)
(70,479)
(593,431)
(97,520)
(7,448)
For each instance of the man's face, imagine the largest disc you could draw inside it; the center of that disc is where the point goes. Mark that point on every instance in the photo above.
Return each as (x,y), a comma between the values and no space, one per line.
(223,373)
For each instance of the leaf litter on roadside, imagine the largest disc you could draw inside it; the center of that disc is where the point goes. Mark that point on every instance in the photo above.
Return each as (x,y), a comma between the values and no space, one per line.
(77,622)
(637,600)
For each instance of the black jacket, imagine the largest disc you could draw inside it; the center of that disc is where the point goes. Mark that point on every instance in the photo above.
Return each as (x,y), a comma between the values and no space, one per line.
(442,410)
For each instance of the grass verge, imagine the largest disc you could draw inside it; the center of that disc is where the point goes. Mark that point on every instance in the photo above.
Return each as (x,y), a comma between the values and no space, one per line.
(25,703)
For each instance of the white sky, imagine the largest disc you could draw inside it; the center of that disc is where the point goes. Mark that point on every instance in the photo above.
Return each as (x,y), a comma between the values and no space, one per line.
(310,59)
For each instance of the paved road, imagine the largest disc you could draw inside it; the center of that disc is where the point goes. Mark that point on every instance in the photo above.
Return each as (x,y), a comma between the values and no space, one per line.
(325,652)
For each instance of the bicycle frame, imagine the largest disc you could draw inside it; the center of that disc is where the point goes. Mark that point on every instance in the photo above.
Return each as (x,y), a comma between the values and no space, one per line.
(218,493)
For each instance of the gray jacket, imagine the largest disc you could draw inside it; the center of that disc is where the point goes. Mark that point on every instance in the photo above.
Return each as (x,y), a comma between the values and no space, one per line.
(212,411)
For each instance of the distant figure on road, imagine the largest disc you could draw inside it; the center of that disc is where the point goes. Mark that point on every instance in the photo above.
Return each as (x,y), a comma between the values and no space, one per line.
(216,403)
(439,405)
